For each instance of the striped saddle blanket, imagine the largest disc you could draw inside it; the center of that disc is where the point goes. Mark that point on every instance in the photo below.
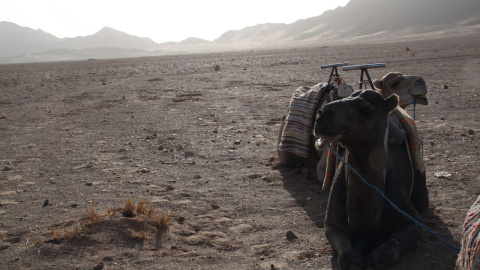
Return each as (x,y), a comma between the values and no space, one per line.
(299,122)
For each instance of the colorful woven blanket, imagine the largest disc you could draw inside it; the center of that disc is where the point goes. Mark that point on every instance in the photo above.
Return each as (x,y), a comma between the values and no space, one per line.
(410,128)
(469,256)
(298,128)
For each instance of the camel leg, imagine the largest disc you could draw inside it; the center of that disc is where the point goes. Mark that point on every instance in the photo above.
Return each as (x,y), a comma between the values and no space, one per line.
(388,253)
(348,257)
(336,225)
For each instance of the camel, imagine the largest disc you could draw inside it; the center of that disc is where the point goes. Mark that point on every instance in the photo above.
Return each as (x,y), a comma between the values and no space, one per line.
(410,88)
(360,225)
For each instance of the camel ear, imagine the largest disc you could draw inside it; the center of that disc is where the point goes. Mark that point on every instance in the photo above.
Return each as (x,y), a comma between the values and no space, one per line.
(391,103)
(377,83)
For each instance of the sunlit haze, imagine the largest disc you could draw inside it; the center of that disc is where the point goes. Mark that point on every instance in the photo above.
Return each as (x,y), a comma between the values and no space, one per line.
(162,21)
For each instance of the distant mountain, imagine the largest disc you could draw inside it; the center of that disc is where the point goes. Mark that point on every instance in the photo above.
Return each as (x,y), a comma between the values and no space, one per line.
(359,21)
(16,40)
(108,37)
(363,20)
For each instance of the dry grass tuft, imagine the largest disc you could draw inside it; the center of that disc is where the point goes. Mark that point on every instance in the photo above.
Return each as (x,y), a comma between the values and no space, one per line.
(93,216)
(163,220)
(129,208)
(149,218)
(141,207)
(216,67)
(407,49)
(65,235)
(38,242)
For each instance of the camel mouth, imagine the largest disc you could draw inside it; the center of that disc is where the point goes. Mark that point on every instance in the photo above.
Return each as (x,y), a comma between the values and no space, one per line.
(421,99)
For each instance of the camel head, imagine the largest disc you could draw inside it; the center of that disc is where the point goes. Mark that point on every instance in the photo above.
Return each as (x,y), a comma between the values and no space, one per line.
(355,119)
(410,89)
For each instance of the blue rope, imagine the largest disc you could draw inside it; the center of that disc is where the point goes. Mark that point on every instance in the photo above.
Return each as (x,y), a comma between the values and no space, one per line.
(390,202)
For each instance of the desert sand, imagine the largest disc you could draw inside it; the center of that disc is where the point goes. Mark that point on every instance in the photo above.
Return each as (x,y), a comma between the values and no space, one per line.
(199,142)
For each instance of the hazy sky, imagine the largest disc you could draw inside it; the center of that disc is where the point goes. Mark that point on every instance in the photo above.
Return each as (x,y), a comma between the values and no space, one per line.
(162,21)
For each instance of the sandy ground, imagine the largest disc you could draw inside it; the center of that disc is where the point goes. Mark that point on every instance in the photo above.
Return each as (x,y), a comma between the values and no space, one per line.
(200,143)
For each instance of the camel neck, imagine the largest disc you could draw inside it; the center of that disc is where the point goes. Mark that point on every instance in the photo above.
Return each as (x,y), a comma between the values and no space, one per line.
(364,205)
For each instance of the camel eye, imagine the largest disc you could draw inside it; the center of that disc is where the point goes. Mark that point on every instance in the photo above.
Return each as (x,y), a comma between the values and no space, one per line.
(419,82)
(396,82)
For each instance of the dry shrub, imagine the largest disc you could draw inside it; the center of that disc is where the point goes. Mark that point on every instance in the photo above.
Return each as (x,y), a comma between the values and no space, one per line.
(93,216)
(129,208)
(216,67)
(163,220)
(65,235)
(407,49)
(141,207)
(147,215)
(37,242)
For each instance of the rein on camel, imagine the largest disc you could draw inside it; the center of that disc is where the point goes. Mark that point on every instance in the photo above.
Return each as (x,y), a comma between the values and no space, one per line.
(390,202)
(414,118)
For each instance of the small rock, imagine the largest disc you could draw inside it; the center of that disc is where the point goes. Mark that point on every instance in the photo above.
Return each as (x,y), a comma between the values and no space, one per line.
(180,220)
(254,176)
(144,170)
(470,132)
(197,176)
(45,203)
(98,266)
(237,142)
(291,236)
(108,259)
(188,154)
(4,246)
(445,86)
(442,174)
(88,184)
